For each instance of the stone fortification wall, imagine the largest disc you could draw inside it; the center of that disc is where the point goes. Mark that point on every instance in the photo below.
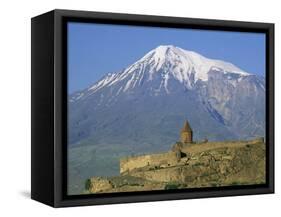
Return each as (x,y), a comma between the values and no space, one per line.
(242,164)
(171,158)
(131,163)
(199,147)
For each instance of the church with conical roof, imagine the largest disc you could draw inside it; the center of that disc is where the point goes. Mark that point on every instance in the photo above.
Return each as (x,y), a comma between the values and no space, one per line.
(186,134)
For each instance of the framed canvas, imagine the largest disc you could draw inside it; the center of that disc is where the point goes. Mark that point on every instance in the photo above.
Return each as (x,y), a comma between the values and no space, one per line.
(134,108)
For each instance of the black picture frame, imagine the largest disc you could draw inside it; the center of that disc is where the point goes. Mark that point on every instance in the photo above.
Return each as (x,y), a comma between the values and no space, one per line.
(49,107)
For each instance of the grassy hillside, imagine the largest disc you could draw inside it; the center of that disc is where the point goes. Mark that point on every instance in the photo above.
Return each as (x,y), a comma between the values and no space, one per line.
(90,160)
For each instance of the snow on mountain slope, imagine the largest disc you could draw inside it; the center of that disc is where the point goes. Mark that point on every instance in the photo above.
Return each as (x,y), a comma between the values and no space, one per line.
(169,83)
(183,62)
(141,108)
(168,62)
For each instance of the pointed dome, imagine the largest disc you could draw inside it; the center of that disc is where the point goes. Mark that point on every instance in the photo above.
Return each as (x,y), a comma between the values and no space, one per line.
(186,127)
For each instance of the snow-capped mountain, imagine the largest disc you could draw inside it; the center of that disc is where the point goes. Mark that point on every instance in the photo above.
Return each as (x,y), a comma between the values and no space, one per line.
(167,62)
(147,102)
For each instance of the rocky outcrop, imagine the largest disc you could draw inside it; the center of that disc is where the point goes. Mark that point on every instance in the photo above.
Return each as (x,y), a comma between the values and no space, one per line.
(98,184)
(203,165)
(222,166)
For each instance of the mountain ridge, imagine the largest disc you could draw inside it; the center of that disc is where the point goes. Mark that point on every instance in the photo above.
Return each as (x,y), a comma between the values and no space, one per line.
(168,72)
(141,109)
(184,63)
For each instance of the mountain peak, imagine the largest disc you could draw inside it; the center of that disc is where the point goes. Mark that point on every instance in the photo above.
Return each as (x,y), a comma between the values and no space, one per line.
(166,63)
(167,52)
(182,63)
(159,52)
(165,48)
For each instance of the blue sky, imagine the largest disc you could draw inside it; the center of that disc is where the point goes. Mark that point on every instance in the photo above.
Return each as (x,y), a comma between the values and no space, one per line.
(96,49)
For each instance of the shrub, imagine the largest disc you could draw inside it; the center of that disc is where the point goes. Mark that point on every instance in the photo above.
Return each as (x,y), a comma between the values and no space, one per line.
(171,186)
(214,184)
(235,183)
(88,184)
